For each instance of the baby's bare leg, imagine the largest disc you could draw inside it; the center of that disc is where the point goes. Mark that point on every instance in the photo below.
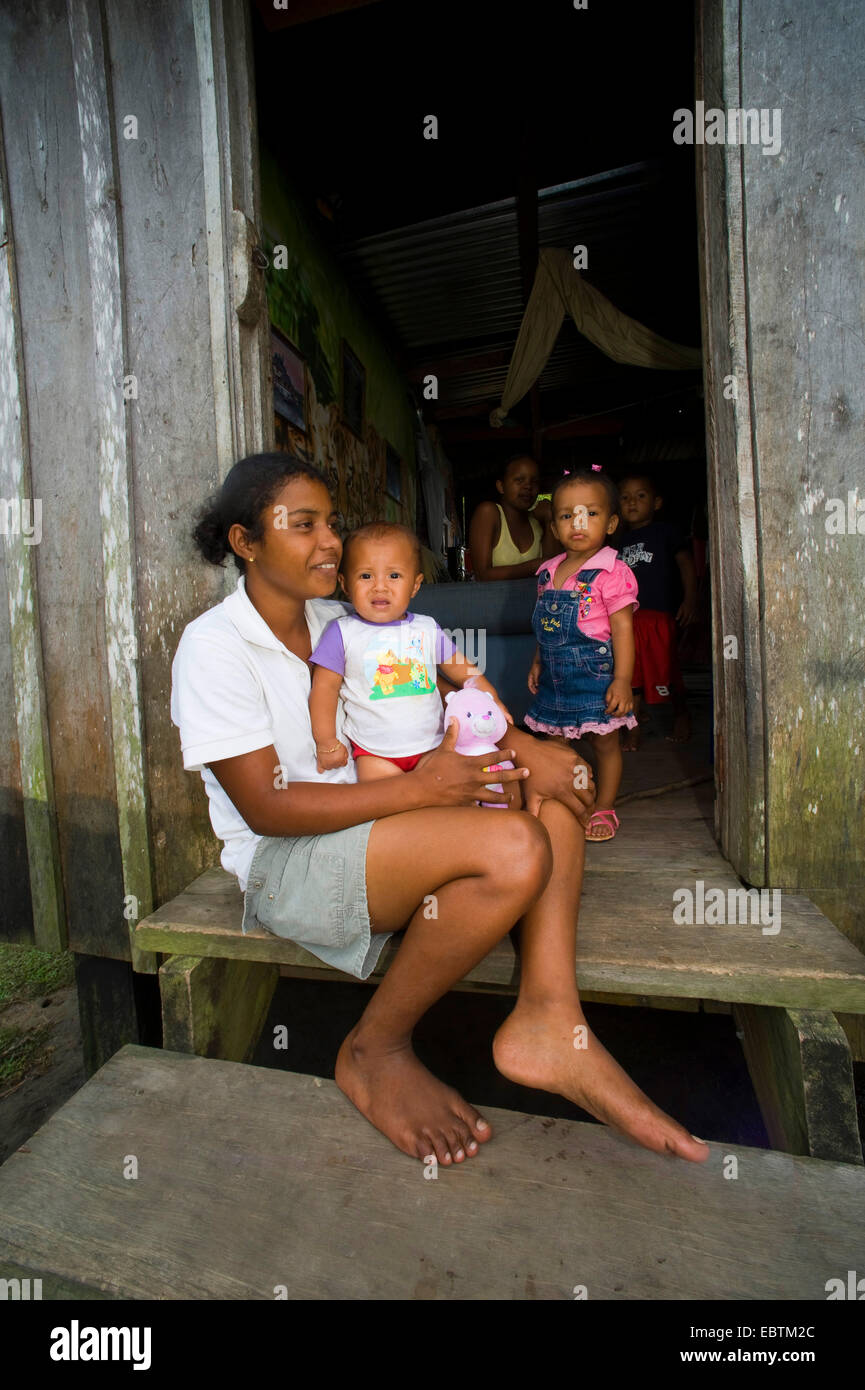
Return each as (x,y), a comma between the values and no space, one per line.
(372,769)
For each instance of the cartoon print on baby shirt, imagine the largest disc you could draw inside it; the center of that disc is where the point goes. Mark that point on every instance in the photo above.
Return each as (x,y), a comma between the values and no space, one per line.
(385,673)
(393,674)
(417,661)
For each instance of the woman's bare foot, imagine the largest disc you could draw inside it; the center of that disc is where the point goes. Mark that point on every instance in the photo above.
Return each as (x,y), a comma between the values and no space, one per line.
(631,739)
(396,1093)
(551,1048)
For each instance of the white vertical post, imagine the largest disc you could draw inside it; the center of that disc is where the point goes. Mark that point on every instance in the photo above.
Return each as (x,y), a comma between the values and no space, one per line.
(37,782)
(115,506)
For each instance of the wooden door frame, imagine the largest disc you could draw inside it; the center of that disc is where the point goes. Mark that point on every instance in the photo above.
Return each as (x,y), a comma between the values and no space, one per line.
(734,541)
(240,335)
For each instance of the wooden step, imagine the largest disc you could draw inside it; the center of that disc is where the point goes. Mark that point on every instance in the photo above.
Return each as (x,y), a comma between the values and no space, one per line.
(252,1180)
(627,943)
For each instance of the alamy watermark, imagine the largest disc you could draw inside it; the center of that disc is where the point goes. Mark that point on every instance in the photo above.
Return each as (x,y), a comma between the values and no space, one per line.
(845,519)
(717,907)
(471,645)
(77,1343)
(736,126)
(853,1289)
(21,516)
(20,1290)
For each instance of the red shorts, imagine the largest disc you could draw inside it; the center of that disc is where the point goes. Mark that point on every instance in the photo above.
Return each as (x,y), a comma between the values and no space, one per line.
(404,764)
(656,664)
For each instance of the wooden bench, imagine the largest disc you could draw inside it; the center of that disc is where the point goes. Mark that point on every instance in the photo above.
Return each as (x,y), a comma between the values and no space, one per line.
(782,989)
(256,1184)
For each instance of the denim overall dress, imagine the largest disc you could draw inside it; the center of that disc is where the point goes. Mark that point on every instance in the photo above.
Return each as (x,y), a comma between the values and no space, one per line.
(575,669)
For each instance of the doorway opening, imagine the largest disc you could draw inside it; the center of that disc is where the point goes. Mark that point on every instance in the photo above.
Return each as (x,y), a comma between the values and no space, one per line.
(411,185)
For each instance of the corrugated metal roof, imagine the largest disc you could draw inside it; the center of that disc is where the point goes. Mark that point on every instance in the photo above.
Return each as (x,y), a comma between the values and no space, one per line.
(451,286)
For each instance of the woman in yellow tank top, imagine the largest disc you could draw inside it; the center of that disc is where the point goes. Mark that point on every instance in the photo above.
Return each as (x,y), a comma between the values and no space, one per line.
(505,541)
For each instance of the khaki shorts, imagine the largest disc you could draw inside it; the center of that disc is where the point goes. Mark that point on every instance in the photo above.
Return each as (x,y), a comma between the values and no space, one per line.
(312,890)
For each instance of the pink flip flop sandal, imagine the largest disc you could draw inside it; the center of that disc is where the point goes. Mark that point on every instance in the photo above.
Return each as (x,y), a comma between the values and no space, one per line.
(602,818)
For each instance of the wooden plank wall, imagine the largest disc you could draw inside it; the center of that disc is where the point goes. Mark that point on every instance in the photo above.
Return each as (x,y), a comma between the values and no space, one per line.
(172,424)
(16,907)
(125,264)
(805,211)
(737,653)
(110,411)
(46,198)
(24,804)
(784,313)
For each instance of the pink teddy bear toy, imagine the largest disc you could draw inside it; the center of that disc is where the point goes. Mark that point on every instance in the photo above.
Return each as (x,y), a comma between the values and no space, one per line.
(481,723)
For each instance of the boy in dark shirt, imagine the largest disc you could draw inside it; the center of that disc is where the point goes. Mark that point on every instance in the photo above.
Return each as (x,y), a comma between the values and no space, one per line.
(655,550)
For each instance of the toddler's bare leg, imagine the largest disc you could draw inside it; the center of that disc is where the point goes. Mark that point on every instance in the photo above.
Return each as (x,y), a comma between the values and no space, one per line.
(372,769)
(609,751)
(546,1042)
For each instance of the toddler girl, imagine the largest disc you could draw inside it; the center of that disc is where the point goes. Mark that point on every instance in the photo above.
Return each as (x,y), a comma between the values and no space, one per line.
(583,621)
(381,661)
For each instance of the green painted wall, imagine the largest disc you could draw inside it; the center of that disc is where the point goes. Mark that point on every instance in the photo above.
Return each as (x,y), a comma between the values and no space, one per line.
(312,304)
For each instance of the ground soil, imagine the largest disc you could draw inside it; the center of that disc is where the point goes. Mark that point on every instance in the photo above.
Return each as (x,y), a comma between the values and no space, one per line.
(55,1072)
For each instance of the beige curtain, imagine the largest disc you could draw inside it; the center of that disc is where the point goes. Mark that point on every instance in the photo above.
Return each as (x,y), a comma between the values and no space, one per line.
(560,289)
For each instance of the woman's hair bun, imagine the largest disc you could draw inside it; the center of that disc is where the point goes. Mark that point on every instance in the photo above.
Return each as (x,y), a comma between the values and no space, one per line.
(209,535)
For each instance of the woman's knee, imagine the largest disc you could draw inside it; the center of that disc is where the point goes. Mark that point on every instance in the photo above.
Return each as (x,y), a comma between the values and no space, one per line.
(524,857)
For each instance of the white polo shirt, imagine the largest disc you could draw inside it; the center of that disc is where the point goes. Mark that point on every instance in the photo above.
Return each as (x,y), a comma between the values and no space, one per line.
(236,687)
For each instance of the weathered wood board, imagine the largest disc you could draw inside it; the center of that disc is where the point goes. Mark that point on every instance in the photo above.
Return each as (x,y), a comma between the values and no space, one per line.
(627,943)
(805,209)
(32,908)
(107,1007)
(784,334)
(46,196)
(843,906)
(800,1066)
(172,424)
(737,678)
(214,1007)
(250,1180)
(477,986)
(132,193)
(16,906)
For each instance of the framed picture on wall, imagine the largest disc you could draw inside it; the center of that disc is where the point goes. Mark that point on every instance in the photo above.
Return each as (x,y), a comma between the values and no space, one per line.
(289,381)
(353,391)
(393,474)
